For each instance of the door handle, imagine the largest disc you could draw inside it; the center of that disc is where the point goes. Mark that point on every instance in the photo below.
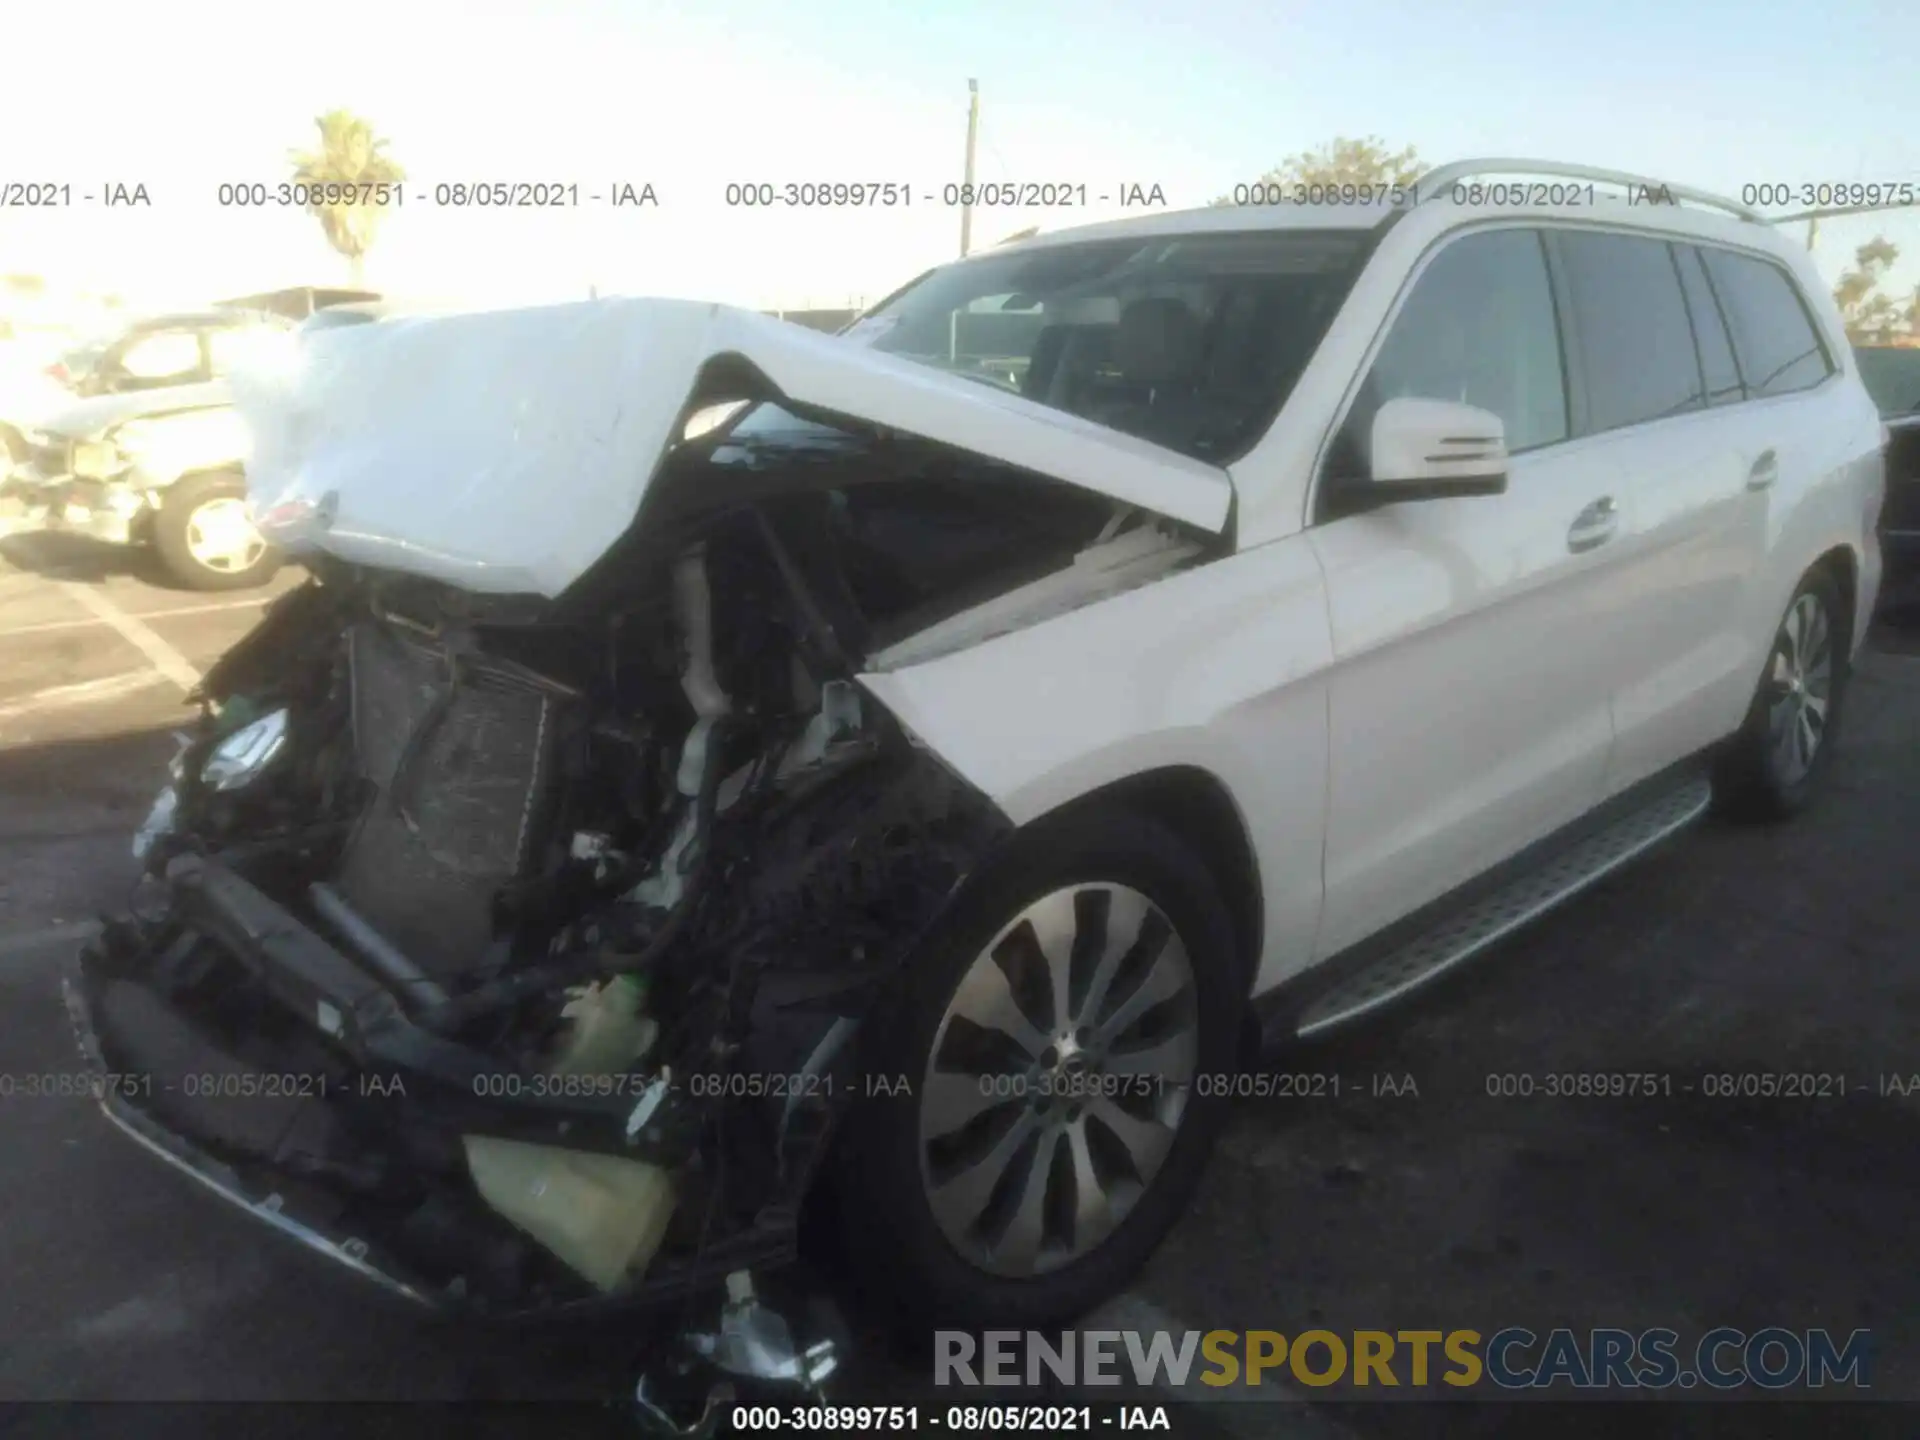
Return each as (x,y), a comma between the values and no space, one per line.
(1765,471)
(1594,525)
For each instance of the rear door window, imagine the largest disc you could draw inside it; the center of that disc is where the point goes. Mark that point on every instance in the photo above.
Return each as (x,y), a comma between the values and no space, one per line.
(1709,329)
(1779,349)
(1630,316)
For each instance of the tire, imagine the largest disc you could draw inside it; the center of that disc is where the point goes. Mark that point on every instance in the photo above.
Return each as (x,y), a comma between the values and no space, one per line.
(1766,771)
(926,1263)
(181,536)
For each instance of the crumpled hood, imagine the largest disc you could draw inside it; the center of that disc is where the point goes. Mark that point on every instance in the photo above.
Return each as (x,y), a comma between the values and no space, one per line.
(505,451)
(86,419)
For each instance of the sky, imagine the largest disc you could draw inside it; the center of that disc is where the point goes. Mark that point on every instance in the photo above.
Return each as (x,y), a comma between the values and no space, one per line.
(1193,97)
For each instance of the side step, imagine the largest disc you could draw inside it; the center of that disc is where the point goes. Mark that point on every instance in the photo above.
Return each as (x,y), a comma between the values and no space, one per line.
(1458,935)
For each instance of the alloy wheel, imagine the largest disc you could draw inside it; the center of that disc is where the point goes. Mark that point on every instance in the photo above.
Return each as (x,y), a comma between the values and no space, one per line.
(221,536)
(1800,688)
(1058,1079)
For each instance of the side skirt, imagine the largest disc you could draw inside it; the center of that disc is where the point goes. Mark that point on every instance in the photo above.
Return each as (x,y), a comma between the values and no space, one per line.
(1434,940)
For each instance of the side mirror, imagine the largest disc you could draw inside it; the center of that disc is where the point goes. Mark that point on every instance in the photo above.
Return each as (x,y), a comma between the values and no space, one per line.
(1433,449)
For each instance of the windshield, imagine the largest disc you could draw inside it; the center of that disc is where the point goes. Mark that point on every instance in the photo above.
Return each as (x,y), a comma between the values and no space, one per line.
(80,359)
(1190,341)
(1892,376)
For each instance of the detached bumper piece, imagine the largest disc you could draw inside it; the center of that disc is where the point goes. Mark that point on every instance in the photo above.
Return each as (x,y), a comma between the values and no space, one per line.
(244,1049)
(307,1224)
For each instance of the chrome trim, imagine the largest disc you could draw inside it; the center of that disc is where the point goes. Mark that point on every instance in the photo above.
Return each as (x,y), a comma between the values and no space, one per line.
(214,1176)
(210,1174)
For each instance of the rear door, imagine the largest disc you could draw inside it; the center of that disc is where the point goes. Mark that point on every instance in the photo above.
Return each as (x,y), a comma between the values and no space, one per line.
(1803,432)
(1662,409)
(1473,637)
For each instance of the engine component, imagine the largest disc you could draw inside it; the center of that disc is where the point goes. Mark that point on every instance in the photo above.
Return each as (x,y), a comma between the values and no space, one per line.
(427,859)
(609,1033)
(755,1341)
(406,977)
(601,1214)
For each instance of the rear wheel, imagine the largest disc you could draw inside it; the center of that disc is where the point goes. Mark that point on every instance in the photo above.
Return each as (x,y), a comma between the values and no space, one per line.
(1775,765)
(205,538)
(1056,1040)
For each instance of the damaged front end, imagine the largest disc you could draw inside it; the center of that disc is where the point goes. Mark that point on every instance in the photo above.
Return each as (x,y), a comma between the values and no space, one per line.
(511,951)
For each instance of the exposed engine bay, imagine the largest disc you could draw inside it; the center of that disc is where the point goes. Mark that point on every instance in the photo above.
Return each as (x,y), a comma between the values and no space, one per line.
(513,950)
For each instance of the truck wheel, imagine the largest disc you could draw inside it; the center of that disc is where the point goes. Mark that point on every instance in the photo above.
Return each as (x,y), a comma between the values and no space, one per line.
(206,540)
(1056,1041)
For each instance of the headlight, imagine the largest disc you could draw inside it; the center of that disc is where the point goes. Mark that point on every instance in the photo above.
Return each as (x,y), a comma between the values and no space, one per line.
(239,758)
(97,460)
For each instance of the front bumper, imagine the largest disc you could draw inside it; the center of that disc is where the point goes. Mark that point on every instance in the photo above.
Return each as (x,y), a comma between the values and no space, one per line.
(269,1206)
(104,510)
(287,1153)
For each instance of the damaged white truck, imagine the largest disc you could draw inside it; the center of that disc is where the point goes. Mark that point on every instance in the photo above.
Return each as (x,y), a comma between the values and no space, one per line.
(919,774)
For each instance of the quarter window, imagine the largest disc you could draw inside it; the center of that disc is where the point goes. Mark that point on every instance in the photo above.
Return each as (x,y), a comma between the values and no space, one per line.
(1779,350)
(1478,328)
(1636,345)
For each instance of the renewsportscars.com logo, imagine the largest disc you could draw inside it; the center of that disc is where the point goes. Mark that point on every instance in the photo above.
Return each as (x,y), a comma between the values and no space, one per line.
(1514,1358)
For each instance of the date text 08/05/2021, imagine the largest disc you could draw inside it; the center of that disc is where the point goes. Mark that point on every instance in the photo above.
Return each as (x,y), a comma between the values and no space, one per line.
(1007,1419)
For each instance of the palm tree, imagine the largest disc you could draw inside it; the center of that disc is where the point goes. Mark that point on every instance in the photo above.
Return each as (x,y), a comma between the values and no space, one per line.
(350,154)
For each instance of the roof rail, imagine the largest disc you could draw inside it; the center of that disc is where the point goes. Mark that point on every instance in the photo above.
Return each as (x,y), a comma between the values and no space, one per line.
(1440,178)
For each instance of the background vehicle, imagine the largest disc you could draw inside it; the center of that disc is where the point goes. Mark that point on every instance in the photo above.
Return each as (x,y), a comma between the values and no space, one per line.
(35,387)
(154,453)
(1891,374)
(1298,601)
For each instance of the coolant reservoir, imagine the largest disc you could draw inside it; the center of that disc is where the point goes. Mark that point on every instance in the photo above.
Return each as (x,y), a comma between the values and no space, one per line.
(603,1215)
(610,1034)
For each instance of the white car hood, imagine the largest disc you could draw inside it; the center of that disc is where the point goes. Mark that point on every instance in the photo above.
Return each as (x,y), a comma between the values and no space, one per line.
(505,451)
(85,419)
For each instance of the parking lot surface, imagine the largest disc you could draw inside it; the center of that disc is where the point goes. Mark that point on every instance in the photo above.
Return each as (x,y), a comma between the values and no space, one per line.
(1418,1197)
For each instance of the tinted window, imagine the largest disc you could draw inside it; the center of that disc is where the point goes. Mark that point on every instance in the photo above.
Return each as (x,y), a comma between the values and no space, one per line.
(1478,328)
(1709,329)
(1779,350)
(1190,341)
(1892,377)
(1636,346)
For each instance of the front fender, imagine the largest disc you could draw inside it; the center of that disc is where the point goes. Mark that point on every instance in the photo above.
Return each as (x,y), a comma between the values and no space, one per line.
(1222,668)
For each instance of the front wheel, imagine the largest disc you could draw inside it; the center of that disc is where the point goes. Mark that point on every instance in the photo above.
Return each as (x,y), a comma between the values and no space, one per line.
(1056,1039)
(205,538)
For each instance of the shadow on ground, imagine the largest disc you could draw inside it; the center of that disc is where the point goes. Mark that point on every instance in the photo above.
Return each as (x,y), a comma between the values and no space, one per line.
(74,557)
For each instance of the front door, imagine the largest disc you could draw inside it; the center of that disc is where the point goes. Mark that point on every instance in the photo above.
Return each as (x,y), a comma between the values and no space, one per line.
(1475,639)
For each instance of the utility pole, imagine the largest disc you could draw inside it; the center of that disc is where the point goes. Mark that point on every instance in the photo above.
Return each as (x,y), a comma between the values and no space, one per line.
(966,194)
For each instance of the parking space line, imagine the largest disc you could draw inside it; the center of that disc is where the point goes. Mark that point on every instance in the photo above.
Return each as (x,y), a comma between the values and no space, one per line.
(16,951)
(81,692)
(162,656)
(42,627)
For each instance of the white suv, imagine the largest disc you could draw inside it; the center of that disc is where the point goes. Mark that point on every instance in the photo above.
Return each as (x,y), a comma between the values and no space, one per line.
(933,751)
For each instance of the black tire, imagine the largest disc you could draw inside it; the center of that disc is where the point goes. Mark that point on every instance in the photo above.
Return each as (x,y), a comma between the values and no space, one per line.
(891,1234)
(170,531)
(1755,778)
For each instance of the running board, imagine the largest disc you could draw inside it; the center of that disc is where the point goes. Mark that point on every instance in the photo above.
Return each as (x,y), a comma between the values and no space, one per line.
(1460,934)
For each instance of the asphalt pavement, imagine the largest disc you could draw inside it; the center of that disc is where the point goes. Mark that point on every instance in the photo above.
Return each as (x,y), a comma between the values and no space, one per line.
(1415,1198)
